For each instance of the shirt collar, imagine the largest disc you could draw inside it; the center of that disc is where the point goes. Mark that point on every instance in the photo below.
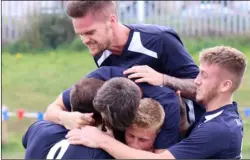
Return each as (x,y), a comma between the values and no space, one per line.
(215,113)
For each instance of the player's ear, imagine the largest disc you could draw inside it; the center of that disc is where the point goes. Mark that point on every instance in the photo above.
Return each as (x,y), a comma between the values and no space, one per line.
(226,85)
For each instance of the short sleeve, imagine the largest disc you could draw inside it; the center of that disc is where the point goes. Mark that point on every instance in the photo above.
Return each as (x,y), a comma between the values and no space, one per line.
(175,59)
(66,99)
(205,141)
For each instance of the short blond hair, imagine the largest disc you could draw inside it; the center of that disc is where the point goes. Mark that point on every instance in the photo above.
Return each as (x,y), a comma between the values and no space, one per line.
(228,58)
(149,115)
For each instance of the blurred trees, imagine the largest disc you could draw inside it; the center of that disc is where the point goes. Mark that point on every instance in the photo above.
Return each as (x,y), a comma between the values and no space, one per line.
(47,32)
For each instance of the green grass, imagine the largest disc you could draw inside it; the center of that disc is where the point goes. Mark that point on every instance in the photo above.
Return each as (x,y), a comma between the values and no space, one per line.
(32,81)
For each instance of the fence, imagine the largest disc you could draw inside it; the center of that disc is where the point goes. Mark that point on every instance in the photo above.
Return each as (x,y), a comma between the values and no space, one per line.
(37,116)
(188,18)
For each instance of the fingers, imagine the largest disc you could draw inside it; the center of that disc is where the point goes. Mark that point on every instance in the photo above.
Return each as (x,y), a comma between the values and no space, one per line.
(85,119)
(75,140)
(134,69)
(137,75)
(73,132)
(142,80)
(178,92)
(81,122)
(88,117)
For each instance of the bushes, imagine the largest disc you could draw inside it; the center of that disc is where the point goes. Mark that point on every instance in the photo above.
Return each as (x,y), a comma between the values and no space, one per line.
(55,30)
(47,32)
(196,44)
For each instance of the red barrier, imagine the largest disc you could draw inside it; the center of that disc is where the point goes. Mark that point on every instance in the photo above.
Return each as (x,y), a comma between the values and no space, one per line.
(20,114)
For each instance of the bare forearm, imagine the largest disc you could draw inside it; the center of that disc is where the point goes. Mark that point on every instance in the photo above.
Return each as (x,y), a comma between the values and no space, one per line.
(120,151)
(54,113)
(184,129)
(186,86)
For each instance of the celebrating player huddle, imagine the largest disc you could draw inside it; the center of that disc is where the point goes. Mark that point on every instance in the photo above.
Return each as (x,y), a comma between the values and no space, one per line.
(146,99)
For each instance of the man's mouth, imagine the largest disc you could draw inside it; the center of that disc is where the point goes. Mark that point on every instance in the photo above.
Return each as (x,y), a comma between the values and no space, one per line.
(92,45)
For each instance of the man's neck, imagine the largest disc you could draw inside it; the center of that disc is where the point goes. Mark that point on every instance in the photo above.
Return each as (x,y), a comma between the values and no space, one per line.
(219,102)
(120,39)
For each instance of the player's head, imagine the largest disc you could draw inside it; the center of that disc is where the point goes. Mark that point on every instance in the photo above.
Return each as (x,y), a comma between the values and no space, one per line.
(146,125)
(82,95)
(94,22)
(221,73)
(117,101)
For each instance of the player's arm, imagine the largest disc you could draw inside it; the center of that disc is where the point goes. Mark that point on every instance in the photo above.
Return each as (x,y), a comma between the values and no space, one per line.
(122,151)
(87,137)
(56,111)
(59,112)
(184,124)
(186,86)
(149,75)
(196,146)
(178,67)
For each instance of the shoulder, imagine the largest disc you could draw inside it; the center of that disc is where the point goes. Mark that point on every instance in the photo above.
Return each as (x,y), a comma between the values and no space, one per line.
(215,129)
(157,32)
(83,152)
(49,127)
(150,28)
(41,130)
(41,124)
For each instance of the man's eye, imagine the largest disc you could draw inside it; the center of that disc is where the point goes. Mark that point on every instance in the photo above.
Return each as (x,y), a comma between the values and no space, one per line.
(142,140)
(130,135)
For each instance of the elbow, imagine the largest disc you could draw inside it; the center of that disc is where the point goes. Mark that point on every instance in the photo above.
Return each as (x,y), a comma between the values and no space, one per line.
(45,117)
(47,113)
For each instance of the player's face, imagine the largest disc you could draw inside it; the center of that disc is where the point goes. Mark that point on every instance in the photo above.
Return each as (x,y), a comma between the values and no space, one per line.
(95,34)
(207,83)
(140,138)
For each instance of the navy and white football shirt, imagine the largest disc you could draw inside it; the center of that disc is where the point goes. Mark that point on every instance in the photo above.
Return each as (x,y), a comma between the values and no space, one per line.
(160,48)
(45,139)
(169,134)
(217,136)
(155,46)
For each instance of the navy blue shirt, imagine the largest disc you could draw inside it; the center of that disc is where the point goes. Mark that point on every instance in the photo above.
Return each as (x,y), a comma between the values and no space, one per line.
(160,48)
(217,136)
(46,138)
(169,134)
(155,46)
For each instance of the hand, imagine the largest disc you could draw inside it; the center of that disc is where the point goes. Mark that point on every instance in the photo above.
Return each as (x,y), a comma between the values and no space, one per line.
(184,124)
(182,105)
(88,136)
(145,74)
(72,120)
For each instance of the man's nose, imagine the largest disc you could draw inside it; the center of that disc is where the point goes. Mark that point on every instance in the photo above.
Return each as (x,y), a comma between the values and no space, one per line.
(135,145)
(197,80)
(85,39)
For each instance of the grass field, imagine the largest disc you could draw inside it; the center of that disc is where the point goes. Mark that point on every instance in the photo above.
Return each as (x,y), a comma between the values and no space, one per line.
(32,81)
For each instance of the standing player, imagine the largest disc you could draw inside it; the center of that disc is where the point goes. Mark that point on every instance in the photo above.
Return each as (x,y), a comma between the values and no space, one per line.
(114,44)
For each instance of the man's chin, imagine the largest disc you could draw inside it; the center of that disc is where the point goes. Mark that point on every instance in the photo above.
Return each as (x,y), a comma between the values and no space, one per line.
(199,100)
(95,53)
